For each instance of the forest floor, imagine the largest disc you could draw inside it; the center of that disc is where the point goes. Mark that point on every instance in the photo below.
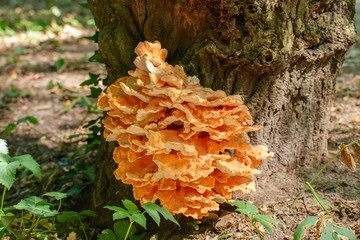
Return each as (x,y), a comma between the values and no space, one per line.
(40,76)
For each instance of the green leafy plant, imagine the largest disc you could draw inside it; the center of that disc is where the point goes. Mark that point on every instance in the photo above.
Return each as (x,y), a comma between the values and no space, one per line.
(93,136)
(15,92)
(36,220)
(8,168)
(83,101)
(330,230)
(28,119)
(96,57)
(252,212)
(38,215)
(48,15)
(51,85)
(60,65)
(93,80)
(125,229)
(72,216)
(10,165)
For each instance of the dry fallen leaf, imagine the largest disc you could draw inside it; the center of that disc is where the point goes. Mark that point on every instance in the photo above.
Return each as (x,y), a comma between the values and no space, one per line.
(346,157)
(72,236)
(356,151)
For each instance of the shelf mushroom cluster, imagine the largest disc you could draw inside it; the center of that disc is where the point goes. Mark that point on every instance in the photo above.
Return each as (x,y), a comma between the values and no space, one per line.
(179,143)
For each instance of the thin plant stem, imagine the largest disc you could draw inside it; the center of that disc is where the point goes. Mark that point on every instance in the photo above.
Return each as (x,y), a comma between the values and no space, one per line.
(83,229)
(59,205)
(22,224)
(321,171)
(3,198)
(253,223)
(328,162)
(320,202)
(33,224)
(128,231)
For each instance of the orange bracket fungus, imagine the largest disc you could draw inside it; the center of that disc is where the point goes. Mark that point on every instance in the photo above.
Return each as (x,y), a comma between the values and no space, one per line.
(179,143)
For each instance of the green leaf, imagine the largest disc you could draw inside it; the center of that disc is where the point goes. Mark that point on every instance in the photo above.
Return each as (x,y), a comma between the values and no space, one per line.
(93,80)
(75,189)
(96,57)
(13,92)
(5,158)
(88,213)
(56,195)
(121,227)
(94,37)
(10,127)
(30,202)
(90,22)
(29,163)
(121,214)
(20,51)
(164,212)
(92,122)
(345,232)
(90,173)
(335,236)
(327,232)
(140,219)
(7,172)
(133,211)
(2,232)
(195,225)
(22,120)
(84,5)
(245,207)
(47,224)
(36,206)
(114,208)
(306,223)
(95,92)
(68,216)
(266,221)
(152,212)
(50,85)
(7,220)
(129,205)
(59,64)
(31,119)
(107,234)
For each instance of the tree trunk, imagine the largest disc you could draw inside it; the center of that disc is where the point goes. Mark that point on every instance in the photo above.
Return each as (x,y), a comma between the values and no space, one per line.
(281,56)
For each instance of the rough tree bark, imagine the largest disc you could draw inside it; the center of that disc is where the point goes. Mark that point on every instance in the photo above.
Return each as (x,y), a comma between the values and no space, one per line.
(282,56)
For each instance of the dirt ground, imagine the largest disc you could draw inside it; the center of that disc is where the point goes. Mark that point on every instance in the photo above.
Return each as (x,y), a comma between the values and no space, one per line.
(33,85)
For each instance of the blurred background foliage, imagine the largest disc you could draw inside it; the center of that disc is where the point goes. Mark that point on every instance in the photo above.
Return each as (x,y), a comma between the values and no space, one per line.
(39,16)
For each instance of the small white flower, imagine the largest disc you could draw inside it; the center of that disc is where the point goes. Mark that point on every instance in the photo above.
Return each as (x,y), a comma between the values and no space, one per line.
(3,147)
